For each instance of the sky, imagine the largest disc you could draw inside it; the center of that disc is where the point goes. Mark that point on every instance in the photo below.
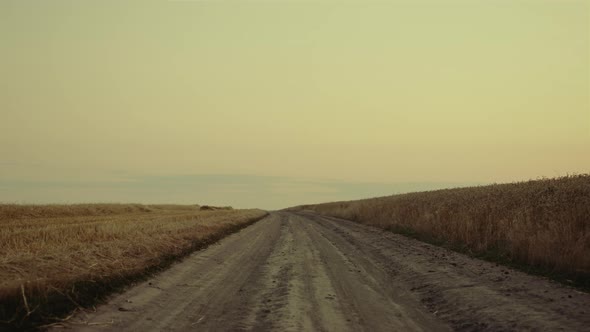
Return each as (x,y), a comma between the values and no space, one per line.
(272,104)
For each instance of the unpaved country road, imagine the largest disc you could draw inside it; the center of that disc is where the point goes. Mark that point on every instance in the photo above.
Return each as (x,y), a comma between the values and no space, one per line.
(303,272)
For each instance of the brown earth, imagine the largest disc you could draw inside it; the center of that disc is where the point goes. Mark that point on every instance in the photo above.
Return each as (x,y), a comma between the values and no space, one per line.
(300,271)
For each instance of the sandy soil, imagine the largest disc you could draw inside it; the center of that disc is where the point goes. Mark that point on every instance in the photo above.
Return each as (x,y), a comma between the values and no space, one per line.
(300,272)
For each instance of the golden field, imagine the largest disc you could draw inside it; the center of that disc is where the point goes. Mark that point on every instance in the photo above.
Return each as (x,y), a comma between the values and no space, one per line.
(54,258)
(543,224)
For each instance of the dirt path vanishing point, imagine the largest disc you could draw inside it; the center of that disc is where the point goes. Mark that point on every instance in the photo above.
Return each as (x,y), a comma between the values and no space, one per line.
(303,272)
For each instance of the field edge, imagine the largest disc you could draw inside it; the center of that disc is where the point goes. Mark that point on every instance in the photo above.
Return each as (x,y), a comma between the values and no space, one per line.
(492,256)
(58,306)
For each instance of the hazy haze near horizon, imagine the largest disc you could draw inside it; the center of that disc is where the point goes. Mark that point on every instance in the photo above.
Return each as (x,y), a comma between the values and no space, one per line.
(274,104)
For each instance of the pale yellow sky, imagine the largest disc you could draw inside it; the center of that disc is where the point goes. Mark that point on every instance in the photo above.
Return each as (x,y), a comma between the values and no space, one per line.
(386,92)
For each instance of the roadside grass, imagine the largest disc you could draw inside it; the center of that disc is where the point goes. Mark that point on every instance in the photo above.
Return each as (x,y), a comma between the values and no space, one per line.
(55,258)
(498,256)
(541,226)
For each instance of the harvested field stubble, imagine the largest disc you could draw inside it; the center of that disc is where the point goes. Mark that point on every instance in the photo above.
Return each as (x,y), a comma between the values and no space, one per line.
(56,257)
(544,224)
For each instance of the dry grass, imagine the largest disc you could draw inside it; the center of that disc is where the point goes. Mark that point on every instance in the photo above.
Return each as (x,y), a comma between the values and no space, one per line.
(543,223)
(53,257)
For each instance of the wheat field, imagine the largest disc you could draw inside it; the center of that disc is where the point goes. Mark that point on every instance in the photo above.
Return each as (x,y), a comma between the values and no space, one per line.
(57,257)
(543,224)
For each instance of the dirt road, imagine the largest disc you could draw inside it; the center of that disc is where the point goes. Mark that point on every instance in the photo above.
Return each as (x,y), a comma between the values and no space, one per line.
(302,272)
